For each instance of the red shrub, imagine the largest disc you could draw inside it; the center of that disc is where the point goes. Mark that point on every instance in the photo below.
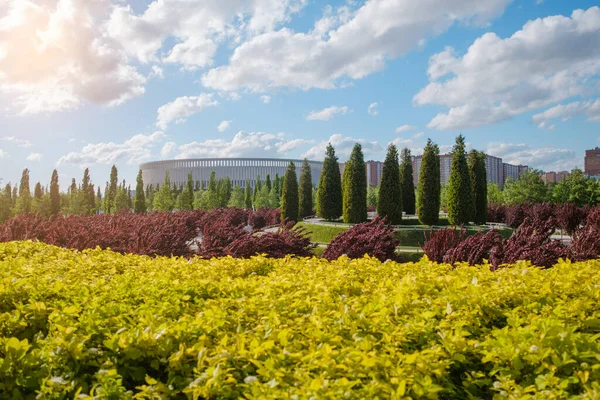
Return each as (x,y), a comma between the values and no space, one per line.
(474,249)
(516,214)
(531,241)
(264,217)
(585,244)
(441,241)
(285,241)
(569,217)
(219,228)
(375,238)
(497,213)
(542,211)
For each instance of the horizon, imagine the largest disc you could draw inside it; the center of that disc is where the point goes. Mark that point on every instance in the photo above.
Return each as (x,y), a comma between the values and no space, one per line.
(143,81)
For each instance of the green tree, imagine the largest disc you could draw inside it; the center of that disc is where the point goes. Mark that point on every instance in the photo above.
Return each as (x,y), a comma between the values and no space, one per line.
(289,194)
(460,195)
(86,199)
(494,194)
(407,183)
(139,205)
(24,201)
(257,186)
(354,185)
(274,198)
(576,189)
(248,195)
(212,194)
(224,192)
(109,197)
(5,203)
(121,199)
(268,182)
(428,199)
(479,186)
(261,199)
(54,194)
(237,197)
(528,188)
(329,204)
(305,191)
(198,199)
(390,189)
(163,200)
(372,196)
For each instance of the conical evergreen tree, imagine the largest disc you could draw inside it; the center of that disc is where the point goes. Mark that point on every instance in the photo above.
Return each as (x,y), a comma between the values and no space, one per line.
(54,194)
(163,200)
(268,182)
(460,195)
(428,200)
(305,191)
(112,190)
(38,192)
(189,192)
(289,195)
(212,199)
(407,183)
(389,204)
(478,175)
(139,205)
(24,201)
(248,195)
(224,192)
(329,204)
(237,197)
(355,187)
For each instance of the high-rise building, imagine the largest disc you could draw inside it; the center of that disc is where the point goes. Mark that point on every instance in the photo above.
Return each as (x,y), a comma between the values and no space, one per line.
(554,177)
(494,170)
(374,169)
(592,162)
(512,171)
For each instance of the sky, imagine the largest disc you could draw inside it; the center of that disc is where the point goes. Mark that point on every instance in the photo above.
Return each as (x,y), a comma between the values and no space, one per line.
(100,82)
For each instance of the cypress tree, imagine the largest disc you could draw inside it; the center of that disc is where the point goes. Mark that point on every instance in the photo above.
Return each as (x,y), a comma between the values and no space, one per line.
(257,187)
(163,201)
(237,197)
(268,182)
(406,182)
(54,194)
(224,191)
(24,200)
(428,200)
(390,190)
(355,187)
(38,192)
(139,205)
(478,175)
(305,191)
(112,190)
(248,195)
(460,195)
(189,196)
(289,194)
(329,204)
(98,200)
(212,199)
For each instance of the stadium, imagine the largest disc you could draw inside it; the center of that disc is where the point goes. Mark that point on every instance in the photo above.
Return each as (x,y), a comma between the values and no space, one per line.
(237,169)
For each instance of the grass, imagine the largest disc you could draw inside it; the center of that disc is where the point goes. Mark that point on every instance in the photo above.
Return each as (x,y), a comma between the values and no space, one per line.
(321,233)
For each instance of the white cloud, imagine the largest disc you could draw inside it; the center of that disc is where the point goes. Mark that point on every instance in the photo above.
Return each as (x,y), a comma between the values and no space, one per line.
(167,149)
(223,126)
(372,109)
(3,154)
(251,144)
(34,157)
(327,113)
(265,99)
(343,45)
(418,135)
(195,29)
(343,147)
(590,108)
(549,60)
(545,158)
(404,128)
(133,151)
(157,72)
(19,142)
(54,57)
(183,107)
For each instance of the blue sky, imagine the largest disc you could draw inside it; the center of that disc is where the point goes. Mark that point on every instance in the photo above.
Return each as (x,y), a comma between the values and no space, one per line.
(91,84)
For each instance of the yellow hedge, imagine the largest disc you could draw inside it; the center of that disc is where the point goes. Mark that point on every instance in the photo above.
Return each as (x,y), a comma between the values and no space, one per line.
(109,326)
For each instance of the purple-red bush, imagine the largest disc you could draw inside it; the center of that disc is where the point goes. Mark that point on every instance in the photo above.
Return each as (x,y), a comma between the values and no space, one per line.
(375,238)
(474,249)
(496,213)
(285,241)
(569,217)
(264,217)
(441,241)
(158,233)
(219,228)
(516,214)
(542,211)
(585,243)
(531,241)
(371,208)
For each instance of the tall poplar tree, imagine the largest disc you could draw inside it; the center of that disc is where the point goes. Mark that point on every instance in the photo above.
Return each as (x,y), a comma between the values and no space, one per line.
(329,203)
(407,183)
(24,201)
(428,199)
(355,187)
(248,195)
(289,194)
(139,205)
(54,194)
(460,195)
(163,200)
(305,191)
(390,200)
(479,186)
(224,192)
(109,200)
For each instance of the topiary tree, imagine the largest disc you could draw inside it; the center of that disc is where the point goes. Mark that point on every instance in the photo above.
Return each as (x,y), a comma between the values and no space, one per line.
(289,195)
(407,184)
(354,185)
(389,204)
(428,199)
(478,186)
(305,191)
(139,205)
(460,195)
(329,203)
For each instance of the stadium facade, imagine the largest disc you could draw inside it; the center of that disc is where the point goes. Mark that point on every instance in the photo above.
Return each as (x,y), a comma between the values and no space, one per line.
(237,169)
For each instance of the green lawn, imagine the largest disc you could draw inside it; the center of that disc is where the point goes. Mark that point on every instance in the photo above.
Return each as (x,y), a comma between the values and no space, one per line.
(322,233)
